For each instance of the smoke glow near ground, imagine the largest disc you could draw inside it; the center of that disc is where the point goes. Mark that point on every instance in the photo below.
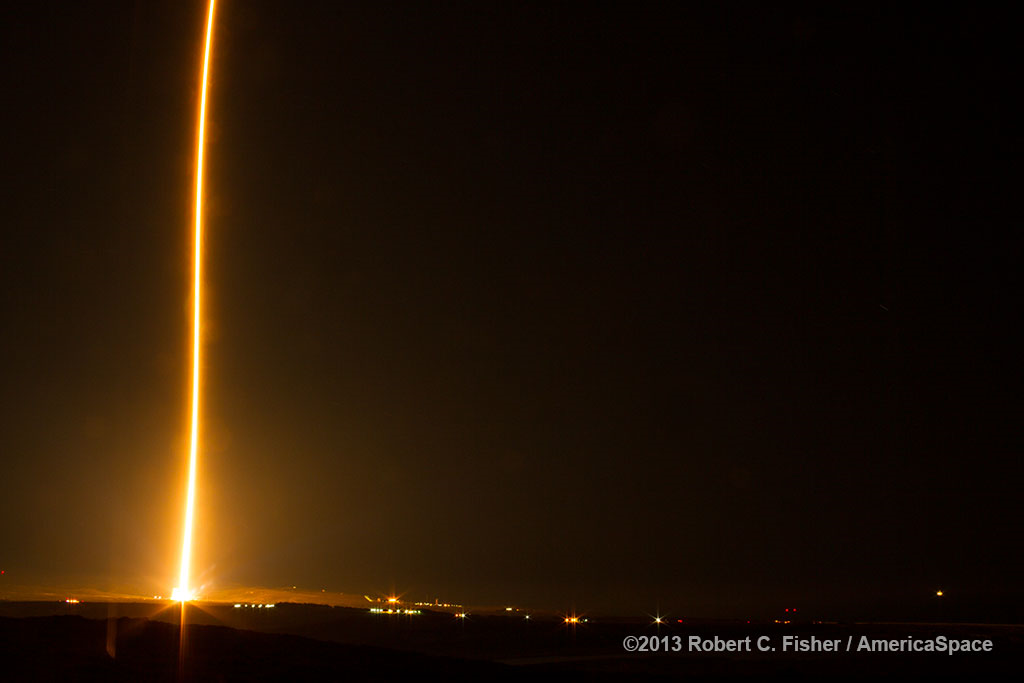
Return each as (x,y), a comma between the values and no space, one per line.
(183,591)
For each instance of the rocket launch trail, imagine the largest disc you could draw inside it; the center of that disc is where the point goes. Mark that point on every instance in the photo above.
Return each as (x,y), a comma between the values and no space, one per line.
(184,591)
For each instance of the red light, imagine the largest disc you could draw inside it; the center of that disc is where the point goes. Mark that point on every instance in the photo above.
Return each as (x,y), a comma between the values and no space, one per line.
(787,609)
(679,621)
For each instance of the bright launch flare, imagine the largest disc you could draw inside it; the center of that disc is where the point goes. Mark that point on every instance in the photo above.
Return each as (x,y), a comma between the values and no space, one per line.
(183,591)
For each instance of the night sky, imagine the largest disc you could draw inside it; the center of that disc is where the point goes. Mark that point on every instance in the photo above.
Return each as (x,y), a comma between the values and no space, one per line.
(538,303)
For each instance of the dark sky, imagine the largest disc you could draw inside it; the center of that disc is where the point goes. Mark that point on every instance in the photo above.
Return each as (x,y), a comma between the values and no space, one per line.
(543,303)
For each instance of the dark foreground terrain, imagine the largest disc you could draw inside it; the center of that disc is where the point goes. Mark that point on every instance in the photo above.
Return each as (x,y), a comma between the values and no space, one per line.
(128,642)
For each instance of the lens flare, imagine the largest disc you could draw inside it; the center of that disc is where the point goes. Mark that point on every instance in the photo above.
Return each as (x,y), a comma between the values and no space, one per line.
(183,592)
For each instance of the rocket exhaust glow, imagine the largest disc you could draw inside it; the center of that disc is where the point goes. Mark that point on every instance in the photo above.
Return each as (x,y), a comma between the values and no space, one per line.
(183,592)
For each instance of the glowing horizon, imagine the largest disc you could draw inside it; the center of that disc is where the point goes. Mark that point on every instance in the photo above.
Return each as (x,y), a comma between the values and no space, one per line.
(183,591)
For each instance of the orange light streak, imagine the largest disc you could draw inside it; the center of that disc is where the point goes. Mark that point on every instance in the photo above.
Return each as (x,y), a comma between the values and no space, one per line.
(184,592)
